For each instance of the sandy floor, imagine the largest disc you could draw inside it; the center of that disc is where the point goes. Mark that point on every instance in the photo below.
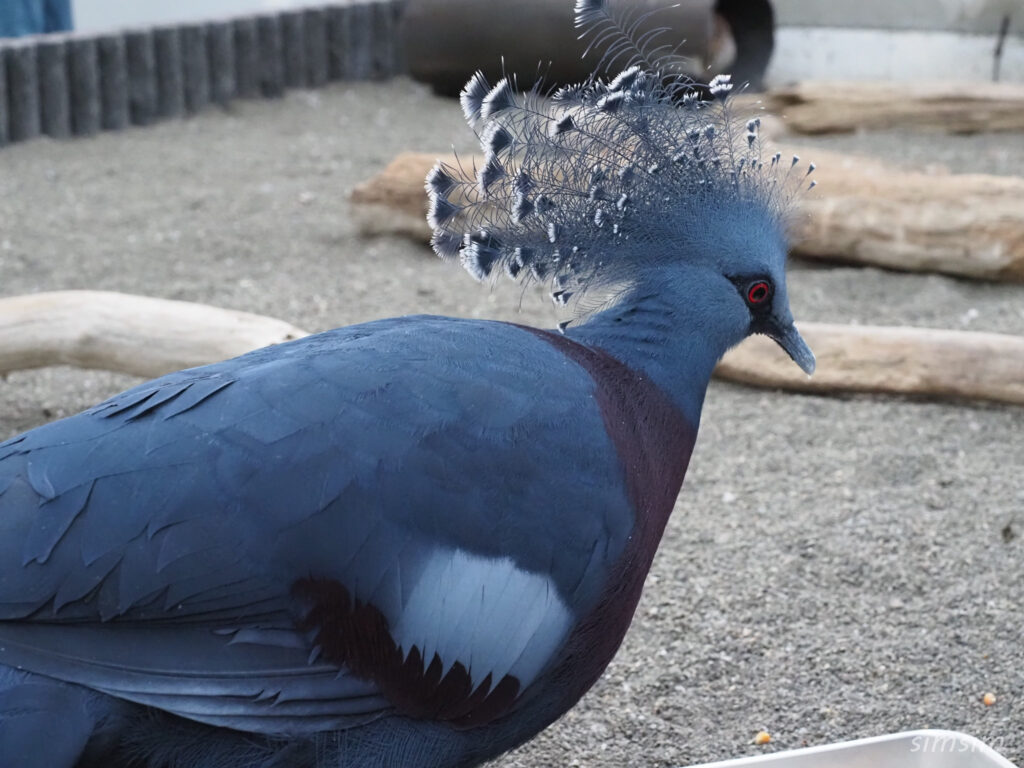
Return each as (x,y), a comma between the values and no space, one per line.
(836,567)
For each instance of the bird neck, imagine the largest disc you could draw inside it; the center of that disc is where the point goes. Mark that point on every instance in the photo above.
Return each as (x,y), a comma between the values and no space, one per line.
(672,343)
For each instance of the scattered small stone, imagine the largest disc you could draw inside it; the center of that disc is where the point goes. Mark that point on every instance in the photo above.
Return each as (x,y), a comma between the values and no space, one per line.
(988,699)
(969,316)
(762,737)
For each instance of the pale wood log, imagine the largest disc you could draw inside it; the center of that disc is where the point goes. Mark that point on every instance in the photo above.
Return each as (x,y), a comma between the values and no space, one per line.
(148,337)
(911,361)
(130,334)
(863,211)
(394,201)
(820,106)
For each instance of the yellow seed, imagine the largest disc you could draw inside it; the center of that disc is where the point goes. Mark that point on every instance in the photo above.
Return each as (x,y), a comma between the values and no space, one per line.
(763,737)
(988,699)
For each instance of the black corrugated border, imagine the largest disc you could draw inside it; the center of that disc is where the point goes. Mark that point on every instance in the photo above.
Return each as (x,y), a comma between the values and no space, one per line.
(74,84)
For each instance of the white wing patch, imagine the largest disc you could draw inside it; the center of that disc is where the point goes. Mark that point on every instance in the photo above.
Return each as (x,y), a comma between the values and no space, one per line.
(486,613)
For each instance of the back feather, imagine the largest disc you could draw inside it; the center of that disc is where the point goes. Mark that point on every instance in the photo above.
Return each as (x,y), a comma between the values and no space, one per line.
(583,187)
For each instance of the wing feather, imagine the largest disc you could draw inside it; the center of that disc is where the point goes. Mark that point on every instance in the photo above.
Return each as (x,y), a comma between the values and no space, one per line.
(261,684)
(414,463)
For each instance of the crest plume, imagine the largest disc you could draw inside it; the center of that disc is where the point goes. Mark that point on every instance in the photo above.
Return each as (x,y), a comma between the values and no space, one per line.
(584,186)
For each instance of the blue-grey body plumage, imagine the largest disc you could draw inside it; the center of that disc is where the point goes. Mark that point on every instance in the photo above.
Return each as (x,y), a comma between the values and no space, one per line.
(416,541)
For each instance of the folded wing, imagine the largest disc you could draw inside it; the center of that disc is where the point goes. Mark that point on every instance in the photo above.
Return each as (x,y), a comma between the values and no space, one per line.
(407,515)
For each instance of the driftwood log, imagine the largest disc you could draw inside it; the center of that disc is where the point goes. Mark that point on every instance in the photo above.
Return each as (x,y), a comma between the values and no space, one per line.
(149,337)
(130,334)
(841,106)
(909,361)
(862,212)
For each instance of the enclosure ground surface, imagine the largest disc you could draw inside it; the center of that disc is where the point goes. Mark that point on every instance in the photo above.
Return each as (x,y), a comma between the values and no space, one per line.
(837,567)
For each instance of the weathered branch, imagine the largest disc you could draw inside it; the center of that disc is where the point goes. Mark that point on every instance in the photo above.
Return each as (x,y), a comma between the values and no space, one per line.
(130,334)
(821,106)
(911,361)
(968,225)
(149,337)
(394,201)
(862,211)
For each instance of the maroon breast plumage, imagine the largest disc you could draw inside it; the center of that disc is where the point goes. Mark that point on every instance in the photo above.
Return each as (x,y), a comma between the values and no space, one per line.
(654,441)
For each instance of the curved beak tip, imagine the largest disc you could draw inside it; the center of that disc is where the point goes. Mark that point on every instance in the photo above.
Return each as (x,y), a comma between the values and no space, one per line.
(807,364)
(795,346)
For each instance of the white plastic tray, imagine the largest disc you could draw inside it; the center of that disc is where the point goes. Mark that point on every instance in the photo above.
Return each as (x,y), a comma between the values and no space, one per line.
(912,749)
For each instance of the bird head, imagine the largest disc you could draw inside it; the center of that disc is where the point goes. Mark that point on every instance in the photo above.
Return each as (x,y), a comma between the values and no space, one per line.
(590,187)
(733,264)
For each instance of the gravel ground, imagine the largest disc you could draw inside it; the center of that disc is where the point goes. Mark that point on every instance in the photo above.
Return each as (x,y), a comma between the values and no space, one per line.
(836,568)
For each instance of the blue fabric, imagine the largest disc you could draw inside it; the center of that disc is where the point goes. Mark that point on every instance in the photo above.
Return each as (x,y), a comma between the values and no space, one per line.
(33,17)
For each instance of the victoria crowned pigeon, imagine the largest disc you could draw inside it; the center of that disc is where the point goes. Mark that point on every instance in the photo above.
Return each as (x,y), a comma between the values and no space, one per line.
(415,541)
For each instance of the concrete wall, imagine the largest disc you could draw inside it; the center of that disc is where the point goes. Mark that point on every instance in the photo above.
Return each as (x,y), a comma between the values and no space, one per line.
(907,40)
(970,16)
(973,16)
(804,53)
(904,40)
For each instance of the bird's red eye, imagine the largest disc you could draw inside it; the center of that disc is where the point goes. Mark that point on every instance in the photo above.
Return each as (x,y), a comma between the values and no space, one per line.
(758,292)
